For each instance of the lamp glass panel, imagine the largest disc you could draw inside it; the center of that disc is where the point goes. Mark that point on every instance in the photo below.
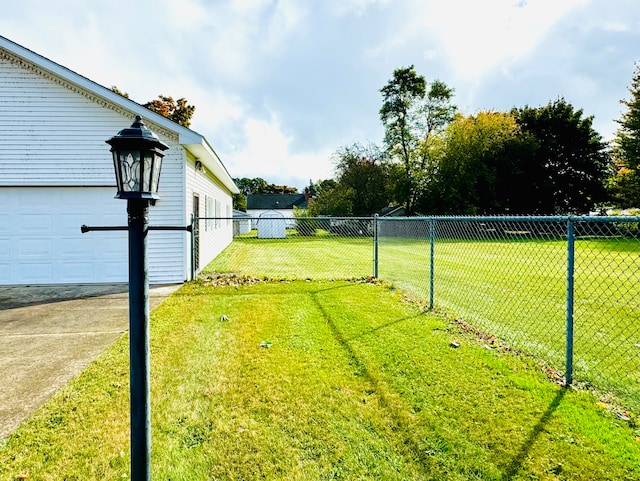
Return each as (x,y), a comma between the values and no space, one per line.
(130,170)
(155,175)
(147,170)
(116,166)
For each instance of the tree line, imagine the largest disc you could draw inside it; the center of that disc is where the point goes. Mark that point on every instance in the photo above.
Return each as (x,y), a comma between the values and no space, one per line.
(529,160)
(436,160)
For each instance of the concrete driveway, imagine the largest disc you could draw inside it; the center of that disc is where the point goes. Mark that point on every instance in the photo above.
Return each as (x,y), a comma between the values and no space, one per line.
(48,334)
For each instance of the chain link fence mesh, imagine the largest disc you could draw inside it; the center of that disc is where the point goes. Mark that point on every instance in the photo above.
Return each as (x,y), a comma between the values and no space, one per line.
(510,278)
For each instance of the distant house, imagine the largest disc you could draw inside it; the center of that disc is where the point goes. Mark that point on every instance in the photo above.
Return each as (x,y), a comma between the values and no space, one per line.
(283,203)
(393,211)
(56,173)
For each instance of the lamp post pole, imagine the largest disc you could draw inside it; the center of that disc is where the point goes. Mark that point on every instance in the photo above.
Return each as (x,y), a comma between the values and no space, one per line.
(140,405)
(137,159)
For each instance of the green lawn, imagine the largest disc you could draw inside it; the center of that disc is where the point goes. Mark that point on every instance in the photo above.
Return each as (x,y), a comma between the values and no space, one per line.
(296,257)
(360,383)
(512,289)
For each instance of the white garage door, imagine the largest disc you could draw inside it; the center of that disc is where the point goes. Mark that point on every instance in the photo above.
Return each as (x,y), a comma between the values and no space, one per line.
(41,242)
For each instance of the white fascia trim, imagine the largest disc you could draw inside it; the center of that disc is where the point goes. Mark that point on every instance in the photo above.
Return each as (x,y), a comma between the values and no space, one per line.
(198,146)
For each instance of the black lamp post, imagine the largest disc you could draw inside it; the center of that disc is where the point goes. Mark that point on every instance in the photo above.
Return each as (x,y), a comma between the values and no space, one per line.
(137,159)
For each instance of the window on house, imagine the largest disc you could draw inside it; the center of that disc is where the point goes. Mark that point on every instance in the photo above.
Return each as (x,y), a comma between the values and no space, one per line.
(208,212)
(217,214)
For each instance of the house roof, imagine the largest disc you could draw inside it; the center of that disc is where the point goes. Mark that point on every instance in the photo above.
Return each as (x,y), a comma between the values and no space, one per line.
(276,201)
(238,214)
(192,141)
(392,211)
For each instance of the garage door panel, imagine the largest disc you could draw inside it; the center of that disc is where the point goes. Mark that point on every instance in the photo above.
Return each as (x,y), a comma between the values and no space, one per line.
(74,248)
(75,272)
(33,223)
(36,272)
(5,272)
(72,222)
(5,248)
(35,248)
(113,271)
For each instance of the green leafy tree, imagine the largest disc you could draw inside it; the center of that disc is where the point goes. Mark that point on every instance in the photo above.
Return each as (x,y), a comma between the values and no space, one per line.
(322,195)
(412,113)
(279,189)
(362,175)
(260,186)
(257,186)
(245,185)
(240,202)
(626,152)
(400,99)
(332,201)
(359,187)
(177,110)
(120,92)
(571,166)
(481,167)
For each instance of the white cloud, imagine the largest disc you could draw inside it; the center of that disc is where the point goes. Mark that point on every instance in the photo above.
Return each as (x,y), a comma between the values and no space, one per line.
(267,153)
(238,37)
(616,27)
(341,8)
(476,36)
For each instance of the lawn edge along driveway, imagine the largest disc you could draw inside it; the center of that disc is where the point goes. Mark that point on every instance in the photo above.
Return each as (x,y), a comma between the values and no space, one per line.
(49,334)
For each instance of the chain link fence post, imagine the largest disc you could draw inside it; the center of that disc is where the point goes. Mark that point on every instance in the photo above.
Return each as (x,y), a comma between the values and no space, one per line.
(375,246)
(570,290)
(432,238)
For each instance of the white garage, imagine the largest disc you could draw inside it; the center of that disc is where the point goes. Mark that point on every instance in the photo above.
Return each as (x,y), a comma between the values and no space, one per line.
(56,174)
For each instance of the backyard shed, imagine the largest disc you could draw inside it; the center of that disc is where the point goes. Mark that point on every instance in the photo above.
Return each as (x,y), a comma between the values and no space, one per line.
(272,225)
(56,173)
(241,222)
(258,204)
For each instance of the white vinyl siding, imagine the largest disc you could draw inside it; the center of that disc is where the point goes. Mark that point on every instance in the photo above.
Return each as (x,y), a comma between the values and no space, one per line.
(167,260)
(50,135)
(214,235)
(53,136)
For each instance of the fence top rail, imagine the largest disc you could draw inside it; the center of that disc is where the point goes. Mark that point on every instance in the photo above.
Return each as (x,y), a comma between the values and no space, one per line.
(518,218)
(288,218)
(463,218)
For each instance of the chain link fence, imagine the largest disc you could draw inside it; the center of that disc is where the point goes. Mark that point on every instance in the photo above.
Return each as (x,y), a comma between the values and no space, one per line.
(565,289)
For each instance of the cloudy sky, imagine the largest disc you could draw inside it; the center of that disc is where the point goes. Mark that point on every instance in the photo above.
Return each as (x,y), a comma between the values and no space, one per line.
(279,85)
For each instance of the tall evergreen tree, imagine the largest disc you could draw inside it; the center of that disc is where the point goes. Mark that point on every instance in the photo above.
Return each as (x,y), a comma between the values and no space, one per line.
(626,183)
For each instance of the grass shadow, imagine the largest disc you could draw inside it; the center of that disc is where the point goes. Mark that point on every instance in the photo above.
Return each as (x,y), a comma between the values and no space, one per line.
(516,464)
(396,413)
